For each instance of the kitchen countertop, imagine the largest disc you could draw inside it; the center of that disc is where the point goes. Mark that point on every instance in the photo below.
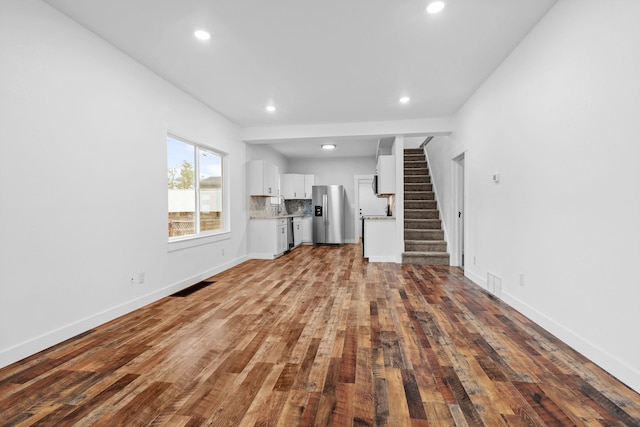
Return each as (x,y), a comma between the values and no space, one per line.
(296,215)
(377,217)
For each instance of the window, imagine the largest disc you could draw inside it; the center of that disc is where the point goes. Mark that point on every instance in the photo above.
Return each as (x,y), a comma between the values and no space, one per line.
(195,185)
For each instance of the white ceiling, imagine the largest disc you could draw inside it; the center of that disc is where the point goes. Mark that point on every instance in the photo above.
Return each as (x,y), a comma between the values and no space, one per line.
(318,62)
(345,146)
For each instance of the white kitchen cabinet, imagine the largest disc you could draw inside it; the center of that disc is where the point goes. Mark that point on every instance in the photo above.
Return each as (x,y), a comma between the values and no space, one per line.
(378,238)
(386,171)
(281,232)
(267,237)
(293,186)
(309,182)
(297,186)
(307,230)
(297,231)
(264,178)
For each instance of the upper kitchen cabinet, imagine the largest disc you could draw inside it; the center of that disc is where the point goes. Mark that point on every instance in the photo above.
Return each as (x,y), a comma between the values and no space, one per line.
(386,171)
(293,186)
(297,186)
(264,178)
(309,182)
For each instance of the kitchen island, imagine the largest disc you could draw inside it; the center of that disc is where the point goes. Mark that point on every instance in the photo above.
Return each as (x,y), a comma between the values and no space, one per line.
(378,238)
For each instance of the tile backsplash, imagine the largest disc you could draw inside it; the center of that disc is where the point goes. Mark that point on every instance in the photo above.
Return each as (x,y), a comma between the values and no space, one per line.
(298,206)
(261,207)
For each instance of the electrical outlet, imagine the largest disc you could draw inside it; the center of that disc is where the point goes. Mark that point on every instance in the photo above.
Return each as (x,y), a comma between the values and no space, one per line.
(141,277)
(521,279)
(222,251)
(132,281)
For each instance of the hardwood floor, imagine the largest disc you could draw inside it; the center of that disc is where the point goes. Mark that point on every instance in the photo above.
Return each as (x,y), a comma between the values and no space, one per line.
(317,337)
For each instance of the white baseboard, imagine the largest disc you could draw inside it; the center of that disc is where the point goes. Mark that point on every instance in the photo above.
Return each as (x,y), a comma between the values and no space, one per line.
(262,256)
(475,279)
(56,336)
(616,367)
(619,369)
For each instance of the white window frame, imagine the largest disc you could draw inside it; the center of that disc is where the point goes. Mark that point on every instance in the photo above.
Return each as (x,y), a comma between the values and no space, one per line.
(211,236)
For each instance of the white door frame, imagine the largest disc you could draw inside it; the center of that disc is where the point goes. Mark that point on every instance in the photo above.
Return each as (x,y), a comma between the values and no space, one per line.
(458,220)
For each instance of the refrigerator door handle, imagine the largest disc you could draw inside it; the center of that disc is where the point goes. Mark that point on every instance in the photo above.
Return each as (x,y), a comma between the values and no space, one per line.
(325,217)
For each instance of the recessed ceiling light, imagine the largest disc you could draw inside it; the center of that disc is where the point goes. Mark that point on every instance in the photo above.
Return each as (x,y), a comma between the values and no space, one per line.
(404,100)
(435,7)
(202,35)
(271,108)
(328,146)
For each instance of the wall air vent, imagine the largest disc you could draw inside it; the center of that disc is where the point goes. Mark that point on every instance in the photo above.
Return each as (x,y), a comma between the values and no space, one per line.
(494,284)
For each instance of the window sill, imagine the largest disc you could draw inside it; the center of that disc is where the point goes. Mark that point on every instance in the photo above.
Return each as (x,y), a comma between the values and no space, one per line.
(193,241)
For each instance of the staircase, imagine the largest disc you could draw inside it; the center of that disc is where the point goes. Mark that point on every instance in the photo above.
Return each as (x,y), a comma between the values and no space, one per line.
(423,235)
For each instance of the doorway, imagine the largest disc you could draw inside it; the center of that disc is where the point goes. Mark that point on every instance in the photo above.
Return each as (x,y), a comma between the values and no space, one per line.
(367,202)
(458,211)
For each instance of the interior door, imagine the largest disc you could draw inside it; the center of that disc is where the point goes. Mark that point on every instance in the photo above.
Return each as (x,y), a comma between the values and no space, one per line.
(368,202)
(458,231)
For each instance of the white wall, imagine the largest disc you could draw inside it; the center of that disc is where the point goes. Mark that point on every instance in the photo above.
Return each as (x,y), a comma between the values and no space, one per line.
(439,152)
(268,154)
(83,175)
(399,145)
(559,121)
(339,171)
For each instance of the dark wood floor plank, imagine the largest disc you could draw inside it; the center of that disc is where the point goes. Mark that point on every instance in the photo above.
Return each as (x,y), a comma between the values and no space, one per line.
(546,409)
(318,337)
(381,402)
(412,393)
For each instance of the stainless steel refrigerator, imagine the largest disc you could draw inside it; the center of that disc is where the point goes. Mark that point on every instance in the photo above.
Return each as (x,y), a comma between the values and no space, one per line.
(328,214)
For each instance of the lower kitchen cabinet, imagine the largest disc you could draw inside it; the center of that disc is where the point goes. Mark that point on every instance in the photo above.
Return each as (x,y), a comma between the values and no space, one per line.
(297,231)
(307,236)
(267,237)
